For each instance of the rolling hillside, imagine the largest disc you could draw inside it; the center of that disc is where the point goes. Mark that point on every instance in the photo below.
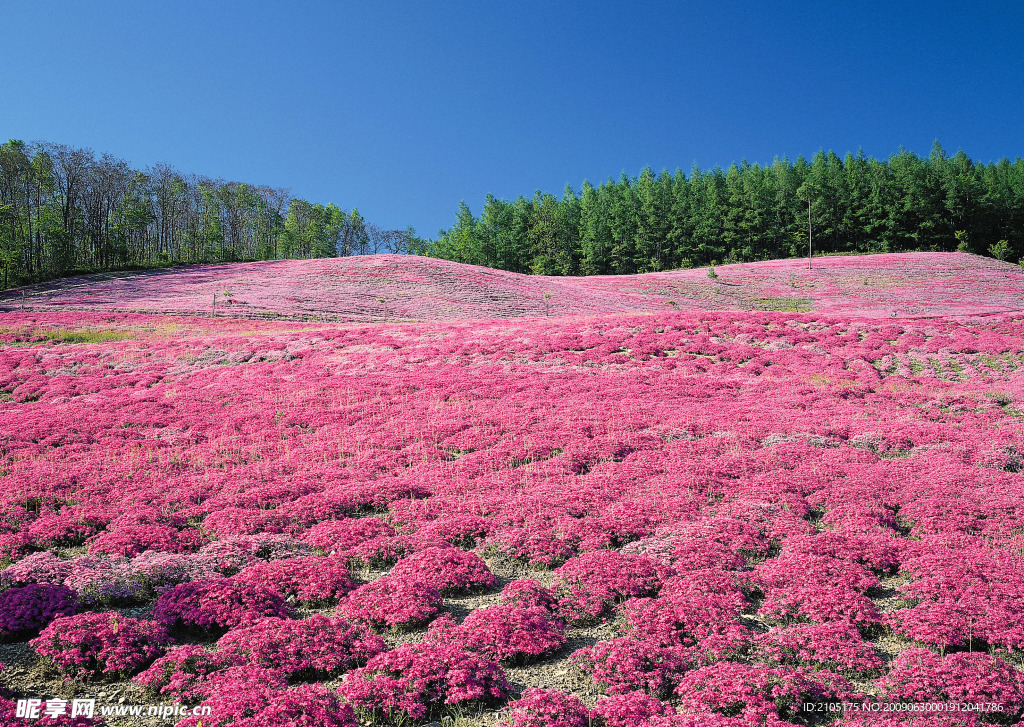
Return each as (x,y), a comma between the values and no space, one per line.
(425,289)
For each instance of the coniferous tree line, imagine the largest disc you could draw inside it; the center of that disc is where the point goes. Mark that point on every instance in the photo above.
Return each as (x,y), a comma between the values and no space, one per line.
(748,212)
(65,210)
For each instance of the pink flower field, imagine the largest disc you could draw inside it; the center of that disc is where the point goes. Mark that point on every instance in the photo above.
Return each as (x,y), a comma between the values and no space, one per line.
(425,289)
(777,504)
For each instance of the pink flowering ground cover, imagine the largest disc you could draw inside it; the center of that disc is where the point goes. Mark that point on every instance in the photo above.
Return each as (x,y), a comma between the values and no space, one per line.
(348,289)
(721,512)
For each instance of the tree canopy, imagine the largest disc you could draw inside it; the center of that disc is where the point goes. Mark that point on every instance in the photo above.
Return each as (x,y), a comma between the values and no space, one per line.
(65,210)
(748,212)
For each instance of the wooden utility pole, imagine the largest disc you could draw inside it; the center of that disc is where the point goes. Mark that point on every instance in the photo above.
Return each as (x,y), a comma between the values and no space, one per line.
(809,233)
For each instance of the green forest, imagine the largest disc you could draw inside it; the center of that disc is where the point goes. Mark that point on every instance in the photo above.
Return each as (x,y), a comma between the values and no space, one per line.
(65,211)
(748,212)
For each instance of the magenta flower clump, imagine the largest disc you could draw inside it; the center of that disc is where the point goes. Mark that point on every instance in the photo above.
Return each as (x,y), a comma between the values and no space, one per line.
(91,645)
(216,603)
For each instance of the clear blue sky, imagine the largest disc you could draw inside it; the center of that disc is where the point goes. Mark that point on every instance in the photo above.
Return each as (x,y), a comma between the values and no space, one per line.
(404,109)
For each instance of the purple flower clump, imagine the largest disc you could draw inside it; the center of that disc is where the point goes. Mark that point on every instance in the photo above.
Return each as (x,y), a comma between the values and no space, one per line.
(29,608)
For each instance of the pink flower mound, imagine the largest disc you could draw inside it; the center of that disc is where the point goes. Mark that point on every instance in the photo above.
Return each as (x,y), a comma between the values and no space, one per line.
(232,554)
(69,527)
(43,567)
(227,557)
(589,584)
(719,542)
(29,608)
(920,675)
(461,531)
(880,553)
(162,571)
(392,602)
(789,570)
(341,536)
(503,633)
(758,694)
(699,719)
(694,615)
(625,664)
(448,569)
(835,646)
(819,604)
(547,708)
(527,593)
(695,555)
(313,580)
(216,603)
(98,644)
(14,546)
(180,673)
(384,551)
(245,704)
(632,709)
(309,648)
(964,594)
(416,678)
(532,543)
(129,540)
(233,676)
(233,521)
(107,580)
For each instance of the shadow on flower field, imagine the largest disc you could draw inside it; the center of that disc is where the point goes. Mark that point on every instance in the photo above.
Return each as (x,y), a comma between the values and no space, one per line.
(638,517)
